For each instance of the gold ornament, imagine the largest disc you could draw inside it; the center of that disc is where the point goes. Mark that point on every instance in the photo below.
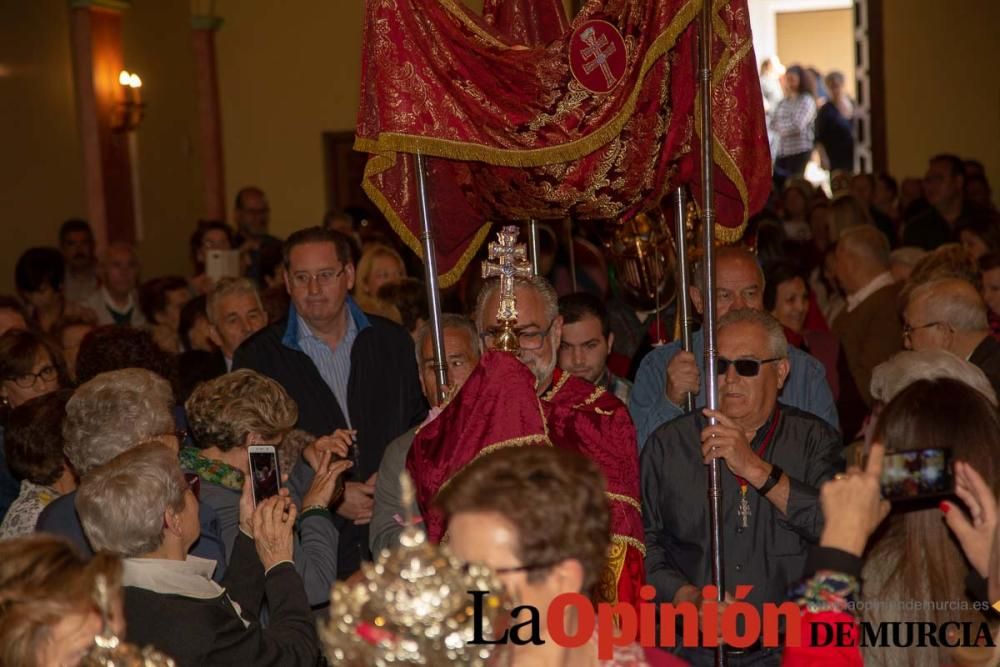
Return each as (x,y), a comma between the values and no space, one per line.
(511,260)
(413,607)
(108,650)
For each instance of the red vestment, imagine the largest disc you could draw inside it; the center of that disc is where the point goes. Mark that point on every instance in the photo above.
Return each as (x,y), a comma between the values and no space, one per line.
(498,407)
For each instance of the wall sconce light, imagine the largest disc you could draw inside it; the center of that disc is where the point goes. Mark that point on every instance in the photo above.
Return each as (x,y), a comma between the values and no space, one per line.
(129,111)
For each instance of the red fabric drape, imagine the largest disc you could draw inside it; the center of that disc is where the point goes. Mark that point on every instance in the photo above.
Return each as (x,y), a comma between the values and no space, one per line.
(497,407)
(510,135)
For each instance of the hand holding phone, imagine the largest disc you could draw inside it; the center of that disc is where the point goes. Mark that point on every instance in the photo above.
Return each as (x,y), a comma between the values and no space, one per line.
(265,478)
(915,474)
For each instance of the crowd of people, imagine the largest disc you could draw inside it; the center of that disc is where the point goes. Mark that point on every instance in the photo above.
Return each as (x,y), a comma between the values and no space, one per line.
(848,327)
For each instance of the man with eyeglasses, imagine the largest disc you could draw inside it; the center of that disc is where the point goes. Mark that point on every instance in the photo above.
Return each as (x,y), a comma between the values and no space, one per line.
(345,369)
(774,459)
(526,400)
(668,374)
(949,314)
(868,327)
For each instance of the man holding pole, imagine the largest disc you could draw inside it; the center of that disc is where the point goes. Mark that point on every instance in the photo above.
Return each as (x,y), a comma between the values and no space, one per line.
(775,458)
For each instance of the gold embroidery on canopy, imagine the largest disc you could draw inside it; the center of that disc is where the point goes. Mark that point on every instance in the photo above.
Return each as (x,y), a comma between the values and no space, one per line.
(628,500)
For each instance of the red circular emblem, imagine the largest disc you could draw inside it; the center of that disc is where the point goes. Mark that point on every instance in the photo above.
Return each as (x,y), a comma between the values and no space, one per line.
(597,56)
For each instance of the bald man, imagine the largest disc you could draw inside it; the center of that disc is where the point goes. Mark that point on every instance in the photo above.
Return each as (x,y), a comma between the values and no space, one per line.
(949,314)
(668,373)
(868,328)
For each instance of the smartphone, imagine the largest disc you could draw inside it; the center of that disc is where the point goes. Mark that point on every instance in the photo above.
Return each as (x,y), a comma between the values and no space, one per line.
(265,478)
(917,473)
(222,264)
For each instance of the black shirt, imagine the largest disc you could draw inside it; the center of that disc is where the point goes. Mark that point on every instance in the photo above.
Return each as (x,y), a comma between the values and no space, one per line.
(770,554)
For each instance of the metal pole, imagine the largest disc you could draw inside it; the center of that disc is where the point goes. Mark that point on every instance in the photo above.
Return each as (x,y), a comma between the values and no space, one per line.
(680,236)
(572,252)
(431,277)
(533,249)
(708,296)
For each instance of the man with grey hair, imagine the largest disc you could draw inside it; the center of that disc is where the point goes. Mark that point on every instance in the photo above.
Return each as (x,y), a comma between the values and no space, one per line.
(117,302)
(234,314)
(775,458)
(462,352)
(949,314)
(110,414)
(523,399)
(868,327)
(668,374)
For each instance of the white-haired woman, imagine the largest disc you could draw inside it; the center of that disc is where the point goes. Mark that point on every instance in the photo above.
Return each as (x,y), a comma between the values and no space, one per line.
(228,414)
(141,507)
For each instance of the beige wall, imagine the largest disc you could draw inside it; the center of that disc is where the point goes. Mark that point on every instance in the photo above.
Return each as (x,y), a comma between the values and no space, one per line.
(158,45)
(41,171)
(942,74)
(287,72)
(821,39)
(41,176)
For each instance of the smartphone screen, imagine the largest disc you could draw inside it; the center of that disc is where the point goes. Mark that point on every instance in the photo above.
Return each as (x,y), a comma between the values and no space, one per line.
(221,264)
(917,473)
(264,474)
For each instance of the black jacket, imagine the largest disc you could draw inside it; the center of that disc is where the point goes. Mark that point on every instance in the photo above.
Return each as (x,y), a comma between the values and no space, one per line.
(383,397)
(199,632)
(987,357)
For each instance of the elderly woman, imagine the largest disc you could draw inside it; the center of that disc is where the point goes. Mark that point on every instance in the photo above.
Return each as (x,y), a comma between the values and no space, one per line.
(243,408)
(140,507)
(30,366)
(48,617)
(106,416)
(34,445)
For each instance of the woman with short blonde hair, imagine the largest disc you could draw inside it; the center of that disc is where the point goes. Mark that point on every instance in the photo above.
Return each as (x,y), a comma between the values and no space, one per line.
(379,265)
(230,413)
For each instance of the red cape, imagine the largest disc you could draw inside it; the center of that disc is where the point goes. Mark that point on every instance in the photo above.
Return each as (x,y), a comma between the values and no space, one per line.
(498,407)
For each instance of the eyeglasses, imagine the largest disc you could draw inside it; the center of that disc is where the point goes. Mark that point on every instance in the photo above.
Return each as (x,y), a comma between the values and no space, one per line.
(302,279)
(747,368)
(194,483)
(908,330)
(28,380)
(527,340)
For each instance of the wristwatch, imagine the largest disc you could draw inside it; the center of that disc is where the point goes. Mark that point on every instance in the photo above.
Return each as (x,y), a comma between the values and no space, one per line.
(772,480)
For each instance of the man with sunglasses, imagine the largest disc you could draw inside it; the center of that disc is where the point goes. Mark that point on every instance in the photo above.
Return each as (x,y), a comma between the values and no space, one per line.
(949,314)
(668,374)
(526,400)
(774,459)
(344,368)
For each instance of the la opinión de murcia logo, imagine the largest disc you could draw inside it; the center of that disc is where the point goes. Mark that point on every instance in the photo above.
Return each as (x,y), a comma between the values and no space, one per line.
(740,625)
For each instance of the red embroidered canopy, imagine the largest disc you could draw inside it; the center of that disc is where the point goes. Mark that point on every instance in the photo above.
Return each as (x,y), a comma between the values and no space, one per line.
(510,134)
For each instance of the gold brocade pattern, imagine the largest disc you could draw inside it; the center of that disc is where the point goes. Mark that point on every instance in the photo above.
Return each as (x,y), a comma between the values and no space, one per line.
(608,584)
(508,133)
(624,499)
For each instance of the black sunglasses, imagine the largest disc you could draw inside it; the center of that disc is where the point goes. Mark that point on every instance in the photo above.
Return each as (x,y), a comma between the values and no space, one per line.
(747,368)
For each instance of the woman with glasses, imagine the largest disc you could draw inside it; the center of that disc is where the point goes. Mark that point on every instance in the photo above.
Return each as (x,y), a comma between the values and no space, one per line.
(30,366)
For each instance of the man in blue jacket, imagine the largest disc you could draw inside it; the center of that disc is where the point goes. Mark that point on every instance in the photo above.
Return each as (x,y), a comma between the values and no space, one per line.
(668,373)
(344,368)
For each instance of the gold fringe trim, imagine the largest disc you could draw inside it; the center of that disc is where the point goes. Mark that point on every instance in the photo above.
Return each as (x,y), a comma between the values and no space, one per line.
(628,500)
(536,157)
(631,541)
(593,397)
(550,394)
(376,165)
